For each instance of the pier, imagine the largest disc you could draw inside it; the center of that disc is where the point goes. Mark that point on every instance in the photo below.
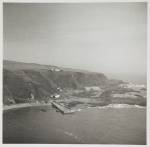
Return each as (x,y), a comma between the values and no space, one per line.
(62,109)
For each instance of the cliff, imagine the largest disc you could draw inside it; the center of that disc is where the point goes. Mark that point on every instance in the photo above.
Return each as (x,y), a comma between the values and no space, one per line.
(22,79)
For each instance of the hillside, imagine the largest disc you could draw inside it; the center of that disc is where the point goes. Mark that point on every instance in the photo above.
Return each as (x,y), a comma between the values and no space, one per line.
(22,79)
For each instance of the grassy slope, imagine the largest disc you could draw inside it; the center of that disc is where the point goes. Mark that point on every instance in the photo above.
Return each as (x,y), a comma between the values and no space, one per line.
(21,79)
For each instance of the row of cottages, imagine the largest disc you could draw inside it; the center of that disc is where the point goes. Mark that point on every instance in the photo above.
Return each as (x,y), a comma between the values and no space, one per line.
(55,69)
(92,88)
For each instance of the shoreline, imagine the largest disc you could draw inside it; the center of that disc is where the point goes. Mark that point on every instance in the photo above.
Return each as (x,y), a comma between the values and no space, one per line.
(23,105)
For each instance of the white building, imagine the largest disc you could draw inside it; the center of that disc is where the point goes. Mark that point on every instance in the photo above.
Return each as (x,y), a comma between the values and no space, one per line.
(55,96)
(55,69)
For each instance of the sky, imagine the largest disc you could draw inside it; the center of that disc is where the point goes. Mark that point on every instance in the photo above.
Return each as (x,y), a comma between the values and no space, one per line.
(102,37)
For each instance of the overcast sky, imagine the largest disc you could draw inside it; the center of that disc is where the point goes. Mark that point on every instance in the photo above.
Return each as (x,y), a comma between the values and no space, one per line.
(103,37)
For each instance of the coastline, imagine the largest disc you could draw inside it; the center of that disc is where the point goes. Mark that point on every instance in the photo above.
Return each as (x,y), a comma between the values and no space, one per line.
(23,105)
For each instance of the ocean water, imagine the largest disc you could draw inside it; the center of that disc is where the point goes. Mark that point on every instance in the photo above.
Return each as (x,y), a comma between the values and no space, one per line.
(109,125)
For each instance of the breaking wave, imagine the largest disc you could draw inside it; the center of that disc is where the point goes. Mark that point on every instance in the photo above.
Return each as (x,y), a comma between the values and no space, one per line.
(119,106)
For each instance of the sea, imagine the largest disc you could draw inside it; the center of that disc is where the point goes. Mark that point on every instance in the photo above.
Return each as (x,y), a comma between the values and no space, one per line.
(120,124)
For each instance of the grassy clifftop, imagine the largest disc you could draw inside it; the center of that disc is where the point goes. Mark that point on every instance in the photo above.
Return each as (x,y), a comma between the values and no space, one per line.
(22,79)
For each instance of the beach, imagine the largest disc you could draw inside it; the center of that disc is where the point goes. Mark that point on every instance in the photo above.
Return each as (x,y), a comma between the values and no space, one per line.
(23,105)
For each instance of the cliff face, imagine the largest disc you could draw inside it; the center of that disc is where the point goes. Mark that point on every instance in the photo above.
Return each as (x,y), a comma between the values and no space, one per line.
(22,79)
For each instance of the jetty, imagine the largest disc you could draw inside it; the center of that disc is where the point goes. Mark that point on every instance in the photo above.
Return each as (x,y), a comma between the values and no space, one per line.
(62,109)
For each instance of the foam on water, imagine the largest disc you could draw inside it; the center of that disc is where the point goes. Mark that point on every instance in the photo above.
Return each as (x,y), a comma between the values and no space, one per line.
(121,106)
(118,106)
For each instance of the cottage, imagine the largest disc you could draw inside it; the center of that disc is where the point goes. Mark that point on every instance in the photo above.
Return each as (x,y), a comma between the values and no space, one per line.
(55,96)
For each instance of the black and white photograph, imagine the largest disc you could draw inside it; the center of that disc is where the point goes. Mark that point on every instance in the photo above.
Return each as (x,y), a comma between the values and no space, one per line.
(74,73)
